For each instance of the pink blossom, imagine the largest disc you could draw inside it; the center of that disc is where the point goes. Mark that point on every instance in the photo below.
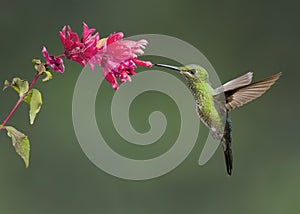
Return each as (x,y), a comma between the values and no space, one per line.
(56,64)
(118,58)
(81,50)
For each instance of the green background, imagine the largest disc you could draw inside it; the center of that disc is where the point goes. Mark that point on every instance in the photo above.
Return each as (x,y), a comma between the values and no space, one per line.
(237,36)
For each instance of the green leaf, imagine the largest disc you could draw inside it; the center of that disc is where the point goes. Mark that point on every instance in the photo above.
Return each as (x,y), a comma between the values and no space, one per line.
(34,99)
(19,85)
(39,66)
(20,142)
(42,69)
(36,61)
(6,85)
(48,76)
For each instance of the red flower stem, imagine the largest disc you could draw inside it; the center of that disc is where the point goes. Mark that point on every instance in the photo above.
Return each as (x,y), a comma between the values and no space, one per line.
(38,74)
(60,56)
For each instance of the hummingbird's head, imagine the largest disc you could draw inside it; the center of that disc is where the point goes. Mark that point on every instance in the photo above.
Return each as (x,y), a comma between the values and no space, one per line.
(192,73)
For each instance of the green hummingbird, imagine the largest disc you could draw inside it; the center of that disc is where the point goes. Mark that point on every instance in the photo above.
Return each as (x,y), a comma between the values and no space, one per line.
(213,105)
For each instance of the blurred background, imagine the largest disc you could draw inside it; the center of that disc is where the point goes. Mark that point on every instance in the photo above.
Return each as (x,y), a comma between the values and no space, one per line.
(261,36)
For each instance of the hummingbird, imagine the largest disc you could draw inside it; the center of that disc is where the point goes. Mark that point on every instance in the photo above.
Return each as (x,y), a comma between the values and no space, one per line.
(213,105)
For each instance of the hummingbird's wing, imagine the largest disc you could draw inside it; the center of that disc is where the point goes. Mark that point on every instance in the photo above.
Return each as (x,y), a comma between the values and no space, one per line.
(246,79)
(242,95)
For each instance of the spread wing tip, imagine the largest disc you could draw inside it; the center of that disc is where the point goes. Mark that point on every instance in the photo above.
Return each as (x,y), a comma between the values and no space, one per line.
(250,92)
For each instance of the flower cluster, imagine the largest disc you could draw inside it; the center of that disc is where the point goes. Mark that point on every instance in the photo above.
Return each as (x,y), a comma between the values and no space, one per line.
(82,50)
(117,57)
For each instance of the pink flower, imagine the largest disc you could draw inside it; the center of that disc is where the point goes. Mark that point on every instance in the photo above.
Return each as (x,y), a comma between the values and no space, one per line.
(118,58)
(81,50)
(56,64)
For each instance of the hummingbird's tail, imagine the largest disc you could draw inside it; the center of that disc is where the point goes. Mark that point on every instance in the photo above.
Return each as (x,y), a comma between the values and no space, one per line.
(228,160)
(226,142)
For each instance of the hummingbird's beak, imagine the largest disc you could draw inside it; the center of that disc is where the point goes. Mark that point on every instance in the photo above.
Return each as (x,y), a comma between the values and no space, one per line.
(169,66)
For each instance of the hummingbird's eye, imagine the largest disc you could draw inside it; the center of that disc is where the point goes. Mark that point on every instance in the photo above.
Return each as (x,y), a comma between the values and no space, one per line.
(193,71)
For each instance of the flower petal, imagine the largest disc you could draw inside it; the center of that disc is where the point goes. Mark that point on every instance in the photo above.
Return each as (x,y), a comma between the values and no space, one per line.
(56,64)
(110,77)
(147,64)
(114,37)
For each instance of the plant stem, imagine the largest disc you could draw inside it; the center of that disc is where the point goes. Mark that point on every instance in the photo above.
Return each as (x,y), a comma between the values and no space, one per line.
(60,56)
(38,74)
